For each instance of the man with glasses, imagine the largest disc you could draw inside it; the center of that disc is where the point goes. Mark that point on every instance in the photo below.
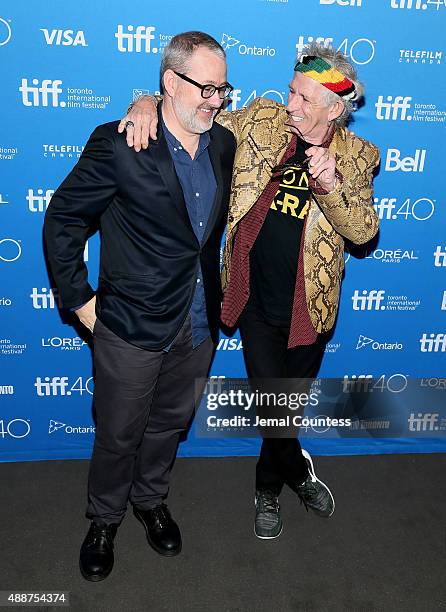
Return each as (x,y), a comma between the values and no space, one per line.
(155,314)
(302,184)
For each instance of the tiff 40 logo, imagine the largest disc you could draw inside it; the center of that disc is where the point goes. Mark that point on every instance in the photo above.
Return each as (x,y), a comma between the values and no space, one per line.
(15,428)
(417,4)
(391,209)
(396,383)
(361,51)
(60,385)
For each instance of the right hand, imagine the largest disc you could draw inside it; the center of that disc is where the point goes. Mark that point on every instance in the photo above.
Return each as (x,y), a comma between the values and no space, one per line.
(145,120)
(87,314)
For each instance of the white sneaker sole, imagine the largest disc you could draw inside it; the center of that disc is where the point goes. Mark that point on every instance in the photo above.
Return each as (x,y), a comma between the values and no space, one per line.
(266,537)
(313,474)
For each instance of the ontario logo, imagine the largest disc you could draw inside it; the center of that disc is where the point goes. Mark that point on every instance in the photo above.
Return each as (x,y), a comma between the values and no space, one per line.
(365,341)
(229,42)
(69,429)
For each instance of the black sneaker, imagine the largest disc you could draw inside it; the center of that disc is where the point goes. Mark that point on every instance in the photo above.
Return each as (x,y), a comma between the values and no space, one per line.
(314,493)
(268,522)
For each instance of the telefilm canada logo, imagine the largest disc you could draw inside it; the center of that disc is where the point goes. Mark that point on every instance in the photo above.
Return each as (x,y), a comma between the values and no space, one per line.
(422,57)
(62,151)
(51,93)
(140,39)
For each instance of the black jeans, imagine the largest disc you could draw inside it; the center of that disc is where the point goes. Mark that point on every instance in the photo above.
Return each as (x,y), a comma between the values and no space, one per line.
(267,356)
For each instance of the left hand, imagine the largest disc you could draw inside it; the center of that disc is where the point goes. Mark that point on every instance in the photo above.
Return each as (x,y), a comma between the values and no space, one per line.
(322,166)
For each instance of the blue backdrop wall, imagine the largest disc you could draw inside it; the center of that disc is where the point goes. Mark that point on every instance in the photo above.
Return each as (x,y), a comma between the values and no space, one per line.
(67,67)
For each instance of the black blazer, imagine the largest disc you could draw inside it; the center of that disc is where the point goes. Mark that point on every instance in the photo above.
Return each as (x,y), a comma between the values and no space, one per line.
(149,252)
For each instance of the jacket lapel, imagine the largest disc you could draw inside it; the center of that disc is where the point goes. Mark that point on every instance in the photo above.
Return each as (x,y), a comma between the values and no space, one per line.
(166,168)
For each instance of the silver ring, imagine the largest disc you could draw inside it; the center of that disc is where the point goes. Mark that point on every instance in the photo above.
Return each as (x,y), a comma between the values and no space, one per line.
(129,124)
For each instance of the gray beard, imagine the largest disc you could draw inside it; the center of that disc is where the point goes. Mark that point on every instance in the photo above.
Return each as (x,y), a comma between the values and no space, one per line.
(189,119)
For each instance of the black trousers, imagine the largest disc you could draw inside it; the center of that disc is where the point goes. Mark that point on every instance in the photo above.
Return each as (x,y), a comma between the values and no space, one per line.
(266,357)
(143,401)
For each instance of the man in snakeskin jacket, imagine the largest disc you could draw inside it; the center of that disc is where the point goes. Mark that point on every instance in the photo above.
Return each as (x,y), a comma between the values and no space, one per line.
(301,185)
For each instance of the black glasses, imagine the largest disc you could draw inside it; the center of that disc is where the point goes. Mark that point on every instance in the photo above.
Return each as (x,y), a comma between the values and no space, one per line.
(207,91)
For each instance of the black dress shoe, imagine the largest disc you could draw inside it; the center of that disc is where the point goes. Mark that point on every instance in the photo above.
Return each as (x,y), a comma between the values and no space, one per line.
(162,532)
(96,556)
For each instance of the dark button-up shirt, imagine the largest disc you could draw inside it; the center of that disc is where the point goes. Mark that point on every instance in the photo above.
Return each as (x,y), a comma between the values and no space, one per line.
(199,186)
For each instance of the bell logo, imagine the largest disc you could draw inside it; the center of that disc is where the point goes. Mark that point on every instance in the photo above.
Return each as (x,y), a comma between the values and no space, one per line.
(47,93)
(392,109)
(369,300)
(132,40)
(342,2)
(64,37)
(406,164)
(439,257)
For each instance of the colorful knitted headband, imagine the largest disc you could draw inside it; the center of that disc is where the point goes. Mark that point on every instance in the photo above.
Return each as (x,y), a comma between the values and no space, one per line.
(321,71)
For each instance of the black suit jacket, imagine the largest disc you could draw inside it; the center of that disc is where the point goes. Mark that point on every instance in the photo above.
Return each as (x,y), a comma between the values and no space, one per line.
(149,252)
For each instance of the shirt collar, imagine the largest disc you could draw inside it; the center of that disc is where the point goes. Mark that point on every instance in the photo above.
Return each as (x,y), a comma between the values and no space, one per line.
(204,141)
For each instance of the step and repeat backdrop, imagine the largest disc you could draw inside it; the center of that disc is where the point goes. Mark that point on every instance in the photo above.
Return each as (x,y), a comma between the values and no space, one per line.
(67,67)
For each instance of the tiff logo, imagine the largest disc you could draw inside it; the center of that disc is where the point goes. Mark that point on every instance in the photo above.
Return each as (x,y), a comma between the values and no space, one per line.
(52,386)
(392,109)
(406,164)
(39,202)
(45,299)
(439,257)
(408,4)
(443,303)
(132,41)
(357,383)
(423,422)
(369,300)
(41,96)
(434,344)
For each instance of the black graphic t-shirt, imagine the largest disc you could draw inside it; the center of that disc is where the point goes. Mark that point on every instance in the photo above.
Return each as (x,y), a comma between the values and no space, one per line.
(274,256)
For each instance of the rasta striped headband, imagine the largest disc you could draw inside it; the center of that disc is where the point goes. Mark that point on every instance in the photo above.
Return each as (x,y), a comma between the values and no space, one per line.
(321,71)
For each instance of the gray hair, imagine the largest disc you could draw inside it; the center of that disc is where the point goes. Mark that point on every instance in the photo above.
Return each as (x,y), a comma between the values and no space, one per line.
(339,61)
(178,52)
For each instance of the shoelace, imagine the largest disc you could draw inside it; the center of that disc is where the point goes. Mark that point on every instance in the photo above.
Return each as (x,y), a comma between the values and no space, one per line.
(268,502)
(161,515)
(102,535)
